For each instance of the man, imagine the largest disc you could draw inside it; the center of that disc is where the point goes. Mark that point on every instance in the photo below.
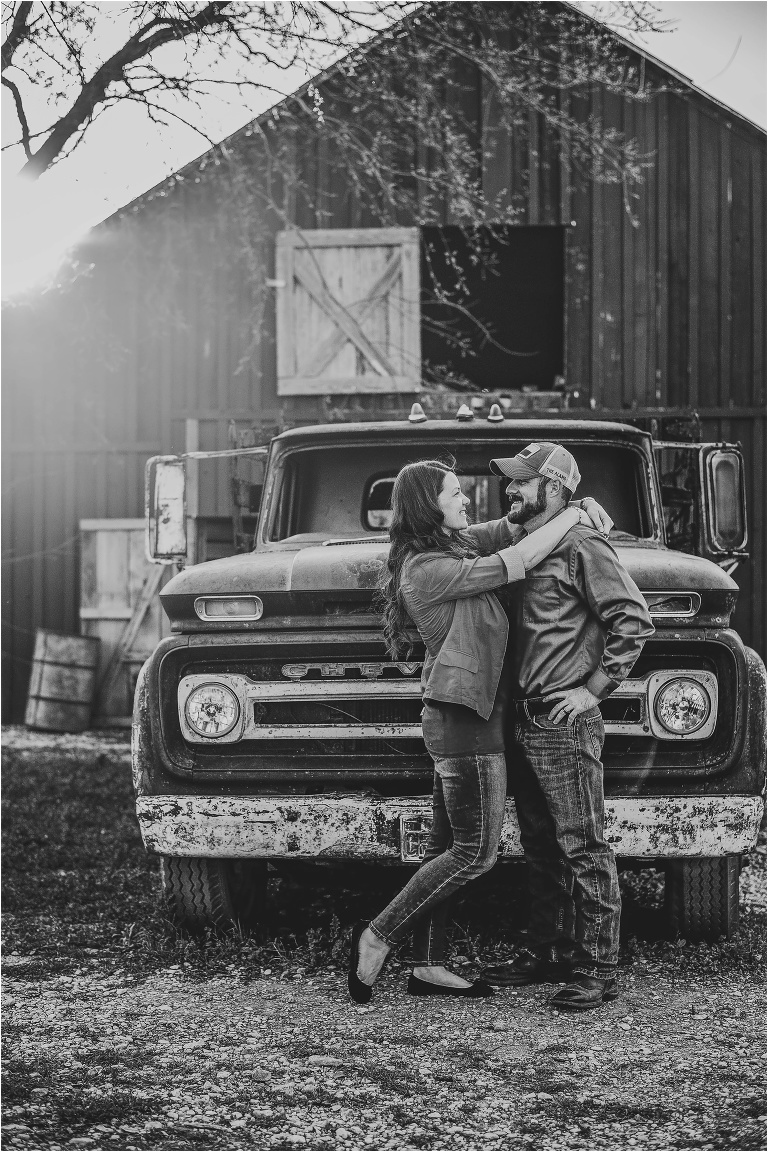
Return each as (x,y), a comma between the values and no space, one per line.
(579,624)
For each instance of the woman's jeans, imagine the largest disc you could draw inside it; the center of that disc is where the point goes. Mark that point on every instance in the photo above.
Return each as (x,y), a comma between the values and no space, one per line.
(467,815)
(557,782)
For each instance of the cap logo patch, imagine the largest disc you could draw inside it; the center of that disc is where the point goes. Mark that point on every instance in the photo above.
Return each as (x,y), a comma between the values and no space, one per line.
(531,450)
(554,473)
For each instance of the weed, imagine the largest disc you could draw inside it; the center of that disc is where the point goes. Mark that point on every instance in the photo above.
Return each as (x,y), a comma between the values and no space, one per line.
(387,1078)
(615,1113)
(118,1107)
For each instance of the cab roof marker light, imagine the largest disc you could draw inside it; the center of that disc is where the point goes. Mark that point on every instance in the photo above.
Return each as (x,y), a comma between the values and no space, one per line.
(465,413)
(417,416)
(495,416)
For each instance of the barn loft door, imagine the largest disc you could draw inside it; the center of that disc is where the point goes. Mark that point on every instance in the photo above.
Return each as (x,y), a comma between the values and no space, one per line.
(348,311)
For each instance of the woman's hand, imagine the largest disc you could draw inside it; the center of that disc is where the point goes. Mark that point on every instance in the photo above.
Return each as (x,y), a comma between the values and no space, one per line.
(597,517)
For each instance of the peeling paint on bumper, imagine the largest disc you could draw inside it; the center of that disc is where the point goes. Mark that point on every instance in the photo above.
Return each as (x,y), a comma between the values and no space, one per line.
(364,828)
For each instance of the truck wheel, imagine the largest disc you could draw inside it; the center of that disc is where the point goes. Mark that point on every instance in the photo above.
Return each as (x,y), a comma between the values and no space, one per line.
(701,897)
(201,893)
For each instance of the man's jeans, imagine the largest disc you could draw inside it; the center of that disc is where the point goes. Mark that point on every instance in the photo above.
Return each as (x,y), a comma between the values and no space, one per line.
(467,815)
(557,782)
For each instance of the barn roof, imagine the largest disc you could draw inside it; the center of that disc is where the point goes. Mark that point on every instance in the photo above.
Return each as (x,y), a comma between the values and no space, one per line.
(211,154)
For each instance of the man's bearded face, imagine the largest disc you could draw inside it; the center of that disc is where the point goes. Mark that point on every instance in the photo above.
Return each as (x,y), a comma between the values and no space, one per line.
(527,498)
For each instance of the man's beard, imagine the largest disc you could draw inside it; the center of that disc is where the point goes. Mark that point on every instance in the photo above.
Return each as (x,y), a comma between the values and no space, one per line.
(525,510)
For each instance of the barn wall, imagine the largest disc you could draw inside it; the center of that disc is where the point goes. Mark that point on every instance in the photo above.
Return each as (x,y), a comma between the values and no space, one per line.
(163,321)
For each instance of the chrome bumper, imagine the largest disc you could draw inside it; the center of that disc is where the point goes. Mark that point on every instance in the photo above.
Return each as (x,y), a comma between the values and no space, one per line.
(363,828)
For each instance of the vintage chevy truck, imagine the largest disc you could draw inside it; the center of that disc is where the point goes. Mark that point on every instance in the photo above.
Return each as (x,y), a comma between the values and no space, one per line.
(272,728)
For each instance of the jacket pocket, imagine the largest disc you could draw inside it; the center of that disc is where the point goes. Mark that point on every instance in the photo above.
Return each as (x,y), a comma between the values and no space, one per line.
(456,659)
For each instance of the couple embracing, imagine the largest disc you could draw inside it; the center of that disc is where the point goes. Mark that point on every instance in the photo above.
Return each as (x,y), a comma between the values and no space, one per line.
(523,678)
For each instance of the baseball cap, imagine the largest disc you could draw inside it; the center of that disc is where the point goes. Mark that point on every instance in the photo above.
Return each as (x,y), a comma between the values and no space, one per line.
(550,460)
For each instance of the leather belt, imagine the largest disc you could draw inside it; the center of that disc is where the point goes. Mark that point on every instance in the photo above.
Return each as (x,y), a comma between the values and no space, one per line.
(523,710)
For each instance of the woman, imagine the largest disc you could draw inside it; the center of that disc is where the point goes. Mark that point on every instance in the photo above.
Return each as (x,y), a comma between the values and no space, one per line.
(436,580)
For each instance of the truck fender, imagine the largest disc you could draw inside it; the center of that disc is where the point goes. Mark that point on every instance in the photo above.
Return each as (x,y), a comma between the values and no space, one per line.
(141,735)
(755,747)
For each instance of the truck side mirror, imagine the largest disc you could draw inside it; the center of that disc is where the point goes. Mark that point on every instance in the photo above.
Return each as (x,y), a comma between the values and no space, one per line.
(166,510)
(704,499)
(725,498)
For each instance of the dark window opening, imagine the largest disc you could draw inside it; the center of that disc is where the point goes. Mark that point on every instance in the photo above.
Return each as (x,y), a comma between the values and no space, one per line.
(504,327)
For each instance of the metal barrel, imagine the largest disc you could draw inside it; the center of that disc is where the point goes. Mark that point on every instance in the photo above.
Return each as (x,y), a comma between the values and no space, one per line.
(61,687)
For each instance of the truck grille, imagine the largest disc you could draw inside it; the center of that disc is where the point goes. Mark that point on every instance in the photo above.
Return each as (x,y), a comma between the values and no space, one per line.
(322,711)
(347,713)
(375,707)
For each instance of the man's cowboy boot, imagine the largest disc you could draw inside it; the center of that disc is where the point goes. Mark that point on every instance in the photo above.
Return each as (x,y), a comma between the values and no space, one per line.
(585,992)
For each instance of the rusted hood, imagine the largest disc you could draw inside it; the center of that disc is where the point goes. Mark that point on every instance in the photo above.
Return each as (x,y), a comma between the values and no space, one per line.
(322,568)
(326,568)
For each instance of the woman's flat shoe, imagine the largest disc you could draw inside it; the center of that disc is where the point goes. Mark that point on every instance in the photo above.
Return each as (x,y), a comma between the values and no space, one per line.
(479,990)
(360,993)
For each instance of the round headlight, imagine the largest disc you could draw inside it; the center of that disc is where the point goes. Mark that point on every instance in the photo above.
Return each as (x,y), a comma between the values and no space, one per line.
(212,710)
(683,706)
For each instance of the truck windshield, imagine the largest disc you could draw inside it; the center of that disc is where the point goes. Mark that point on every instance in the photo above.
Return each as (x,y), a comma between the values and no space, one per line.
(344,491)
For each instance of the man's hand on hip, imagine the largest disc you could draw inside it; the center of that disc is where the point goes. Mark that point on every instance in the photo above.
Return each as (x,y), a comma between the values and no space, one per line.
(570,704)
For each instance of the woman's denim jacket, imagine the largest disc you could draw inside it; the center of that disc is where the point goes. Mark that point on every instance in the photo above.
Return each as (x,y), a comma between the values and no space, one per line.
(462,623)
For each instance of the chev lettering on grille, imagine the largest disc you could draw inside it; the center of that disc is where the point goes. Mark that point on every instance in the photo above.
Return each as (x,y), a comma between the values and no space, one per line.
(371,671)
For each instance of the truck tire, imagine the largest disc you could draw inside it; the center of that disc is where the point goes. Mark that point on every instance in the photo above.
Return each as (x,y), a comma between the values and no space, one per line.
(701,897)
(222,894)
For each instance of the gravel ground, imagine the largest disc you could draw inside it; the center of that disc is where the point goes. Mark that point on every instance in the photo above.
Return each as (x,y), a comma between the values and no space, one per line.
(121,1034)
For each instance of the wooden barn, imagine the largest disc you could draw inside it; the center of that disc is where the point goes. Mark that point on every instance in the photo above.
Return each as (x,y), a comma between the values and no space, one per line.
(200,304)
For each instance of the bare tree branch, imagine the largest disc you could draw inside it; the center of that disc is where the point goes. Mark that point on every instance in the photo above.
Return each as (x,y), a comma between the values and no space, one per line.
(25,137)
(93,92)
(17,33)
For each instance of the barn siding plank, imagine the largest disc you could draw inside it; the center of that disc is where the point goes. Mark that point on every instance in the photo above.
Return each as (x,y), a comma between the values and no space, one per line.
(758,276)
(579,288)
(598,302)
(710,257)
(661,310)
(678,364)
(650,240)
(629,242)
(496,155)
(694,251)
(741,369)
(640,268)
(725,393)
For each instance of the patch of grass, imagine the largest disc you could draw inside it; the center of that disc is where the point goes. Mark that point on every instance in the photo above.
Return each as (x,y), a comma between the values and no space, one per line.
(470,1058)
(387,1078)
(19,1077)
(78,1112)
(616,1113)
(108,1058)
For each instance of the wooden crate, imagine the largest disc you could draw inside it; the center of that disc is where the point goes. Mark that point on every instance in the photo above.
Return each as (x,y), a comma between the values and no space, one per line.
(119,602)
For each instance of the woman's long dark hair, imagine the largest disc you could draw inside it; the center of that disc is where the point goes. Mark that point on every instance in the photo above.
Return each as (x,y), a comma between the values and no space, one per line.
(417,526)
